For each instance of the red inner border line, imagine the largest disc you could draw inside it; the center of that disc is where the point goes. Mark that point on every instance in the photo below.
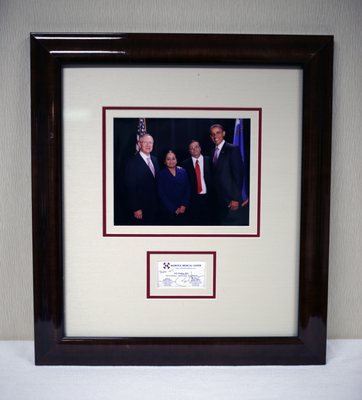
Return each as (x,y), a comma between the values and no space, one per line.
(104,174)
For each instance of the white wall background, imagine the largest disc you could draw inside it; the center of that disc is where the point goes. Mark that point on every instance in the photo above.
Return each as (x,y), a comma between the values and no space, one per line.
(333,17)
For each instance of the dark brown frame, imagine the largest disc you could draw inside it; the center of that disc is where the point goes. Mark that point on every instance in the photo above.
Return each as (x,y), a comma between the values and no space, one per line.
(49,53)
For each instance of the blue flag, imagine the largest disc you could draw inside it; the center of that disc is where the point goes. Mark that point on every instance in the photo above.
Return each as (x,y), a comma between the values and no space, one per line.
(239,141)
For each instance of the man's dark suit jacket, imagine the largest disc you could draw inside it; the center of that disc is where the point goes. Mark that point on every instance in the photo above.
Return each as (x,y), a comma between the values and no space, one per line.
(228,175)
(200,211)
(141,188)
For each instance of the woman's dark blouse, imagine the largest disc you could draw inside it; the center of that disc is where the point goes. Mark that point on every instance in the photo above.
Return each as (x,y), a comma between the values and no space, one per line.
(174,191)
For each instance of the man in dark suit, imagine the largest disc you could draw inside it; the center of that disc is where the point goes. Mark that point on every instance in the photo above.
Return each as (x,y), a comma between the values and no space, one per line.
(141,183)
(198,169)
(228,178)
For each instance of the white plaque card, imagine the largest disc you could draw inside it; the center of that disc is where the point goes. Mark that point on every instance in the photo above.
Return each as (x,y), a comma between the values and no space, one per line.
(181,275)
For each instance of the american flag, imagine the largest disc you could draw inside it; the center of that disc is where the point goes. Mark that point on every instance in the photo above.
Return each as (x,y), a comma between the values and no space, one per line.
(141,130)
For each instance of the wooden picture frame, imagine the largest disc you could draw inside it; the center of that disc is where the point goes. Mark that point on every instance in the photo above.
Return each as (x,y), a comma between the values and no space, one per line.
(50,52)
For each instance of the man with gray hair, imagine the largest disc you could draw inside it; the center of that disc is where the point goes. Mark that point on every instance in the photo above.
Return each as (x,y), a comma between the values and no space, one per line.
(141,183)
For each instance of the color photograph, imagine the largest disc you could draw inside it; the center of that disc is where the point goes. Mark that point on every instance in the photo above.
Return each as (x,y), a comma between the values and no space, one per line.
(181,171)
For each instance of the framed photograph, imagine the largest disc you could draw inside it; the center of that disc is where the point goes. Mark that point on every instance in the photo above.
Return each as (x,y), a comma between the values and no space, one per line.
(181,188)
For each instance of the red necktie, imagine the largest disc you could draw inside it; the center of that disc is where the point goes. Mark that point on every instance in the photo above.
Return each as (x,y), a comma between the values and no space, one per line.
(198,176)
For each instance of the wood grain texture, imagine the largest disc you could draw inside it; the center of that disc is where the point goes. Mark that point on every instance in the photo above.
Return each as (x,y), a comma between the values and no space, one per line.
(49,53)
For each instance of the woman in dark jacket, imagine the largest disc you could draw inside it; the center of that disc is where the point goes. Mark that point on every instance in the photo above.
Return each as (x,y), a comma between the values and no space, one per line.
(174,191)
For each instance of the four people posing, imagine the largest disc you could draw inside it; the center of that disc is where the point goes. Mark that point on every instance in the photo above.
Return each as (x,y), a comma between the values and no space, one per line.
(201,191)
